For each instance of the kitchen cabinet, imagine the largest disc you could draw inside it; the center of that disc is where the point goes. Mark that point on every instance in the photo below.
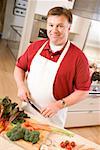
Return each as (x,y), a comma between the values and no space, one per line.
(85,113)
(11,18)
(42,6)
(14,39)
(79,31)
(92,45)
(13,23)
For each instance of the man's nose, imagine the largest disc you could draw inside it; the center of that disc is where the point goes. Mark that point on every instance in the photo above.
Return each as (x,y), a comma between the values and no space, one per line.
(55,29)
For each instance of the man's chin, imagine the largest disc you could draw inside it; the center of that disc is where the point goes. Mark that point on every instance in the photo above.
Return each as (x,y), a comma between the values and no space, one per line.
(55,42)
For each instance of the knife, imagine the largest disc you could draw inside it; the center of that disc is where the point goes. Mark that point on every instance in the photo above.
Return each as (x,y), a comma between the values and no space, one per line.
(37,109)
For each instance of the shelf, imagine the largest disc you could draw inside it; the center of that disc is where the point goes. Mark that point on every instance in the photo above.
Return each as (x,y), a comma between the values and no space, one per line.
(14,39)
(17,29)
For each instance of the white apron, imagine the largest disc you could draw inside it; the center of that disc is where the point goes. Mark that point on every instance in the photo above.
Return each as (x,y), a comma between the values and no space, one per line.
(40,83)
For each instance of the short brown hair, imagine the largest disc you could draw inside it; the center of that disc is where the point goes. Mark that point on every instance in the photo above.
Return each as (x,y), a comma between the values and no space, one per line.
(61,11)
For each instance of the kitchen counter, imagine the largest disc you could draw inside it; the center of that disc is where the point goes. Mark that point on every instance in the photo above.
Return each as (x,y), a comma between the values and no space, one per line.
(56,139)
(97,93)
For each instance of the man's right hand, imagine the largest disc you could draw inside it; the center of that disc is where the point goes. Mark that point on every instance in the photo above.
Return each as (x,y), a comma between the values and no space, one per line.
(23,93)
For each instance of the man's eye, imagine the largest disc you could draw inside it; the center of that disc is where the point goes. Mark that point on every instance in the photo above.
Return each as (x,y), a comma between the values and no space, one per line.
(50,25)
(61,26)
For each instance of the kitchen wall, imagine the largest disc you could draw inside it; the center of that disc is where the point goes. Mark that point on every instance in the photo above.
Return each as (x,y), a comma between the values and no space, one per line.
(86,36)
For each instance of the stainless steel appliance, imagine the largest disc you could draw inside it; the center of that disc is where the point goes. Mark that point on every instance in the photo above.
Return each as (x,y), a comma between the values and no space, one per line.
(20,7)
(39,28)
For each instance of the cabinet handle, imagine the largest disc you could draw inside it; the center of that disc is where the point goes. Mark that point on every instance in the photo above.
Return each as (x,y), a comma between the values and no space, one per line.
(90,111)
(91,103)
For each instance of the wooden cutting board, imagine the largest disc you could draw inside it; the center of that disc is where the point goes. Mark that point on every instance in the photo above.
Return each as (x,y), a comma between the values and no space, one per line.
(6,144)
(27,145)
(54,138)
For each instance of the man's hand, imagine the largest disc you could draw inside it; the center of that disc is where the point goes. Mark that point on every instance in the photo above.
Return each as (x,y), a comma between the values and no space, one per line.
(51,109)
(23,93)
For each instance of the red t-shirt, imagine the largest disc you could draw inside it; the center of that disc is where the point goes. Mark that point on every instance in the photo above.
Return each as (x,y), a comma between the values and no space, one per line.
(73,72)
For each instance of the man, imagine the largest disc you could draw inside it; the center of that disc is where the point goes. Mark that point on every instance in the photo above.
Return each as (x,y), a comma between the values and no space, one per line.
(58,71)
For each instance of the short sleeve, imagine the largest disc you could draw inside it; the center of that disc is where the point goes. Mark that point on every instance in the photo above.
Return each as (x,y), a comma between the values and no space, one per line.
(82,77)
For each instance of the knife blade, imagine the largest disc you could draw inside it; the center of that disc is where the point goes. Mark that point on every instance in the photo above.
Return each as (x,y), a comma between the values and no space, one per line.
(35,107)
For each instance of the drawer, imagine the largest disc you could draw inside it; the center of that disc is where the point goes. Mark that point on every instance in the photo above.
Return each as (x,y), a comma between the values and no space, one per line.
(91,103)
(77,119)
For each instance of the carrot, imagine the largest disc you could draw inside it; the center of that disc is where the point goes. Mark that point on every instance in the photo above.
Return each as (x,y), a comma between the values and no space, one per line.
(36,126)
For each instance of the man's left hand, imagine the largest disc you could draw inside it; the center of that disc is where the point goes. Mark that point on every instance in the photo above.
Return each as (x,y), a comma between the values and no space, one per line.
(51,109)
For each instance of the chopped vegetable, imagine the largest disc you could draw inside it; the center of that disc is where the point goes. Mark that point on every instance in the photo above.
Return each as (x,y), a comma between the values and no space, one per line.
(19,132)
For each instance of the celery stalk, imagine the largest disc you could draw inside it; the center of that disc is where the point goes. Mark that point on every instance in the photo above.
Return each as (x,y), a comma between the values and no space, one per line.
(66,132)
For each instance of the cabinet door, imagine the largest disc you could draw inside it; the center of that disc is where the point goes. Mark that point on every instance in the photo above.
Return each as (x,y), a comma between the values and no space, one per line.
(77,24)
(41,9)
(79,30)
(90,103)
(77,119)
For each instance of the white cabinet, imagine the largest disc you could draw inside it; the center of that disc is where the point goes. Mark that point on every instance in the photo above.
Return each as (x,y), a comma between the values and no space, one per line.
(13,24)
(42,6)
(11,19)
(85,113)
(86,118)
(77,24)
(79,30)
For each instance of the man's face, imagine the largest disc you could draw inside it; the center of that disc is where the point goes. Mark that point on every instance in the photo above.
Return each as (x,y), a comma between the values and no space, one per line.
(58,29)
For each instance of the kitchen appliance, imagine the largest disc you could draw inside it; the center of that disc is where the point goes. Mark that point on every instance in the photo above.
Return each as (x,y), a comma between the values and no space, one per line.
(39,28)
(20,7)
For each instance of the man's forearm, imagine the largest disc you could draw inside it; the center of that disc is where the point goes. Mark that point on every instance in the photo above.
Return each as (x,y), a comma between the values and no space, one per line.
(19,76)
(75,97)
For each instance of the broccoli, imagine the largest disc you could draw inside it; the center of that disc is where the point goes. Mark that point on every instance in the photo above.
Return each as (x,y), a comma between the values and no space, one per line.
(16,133)
(35,139)
(31,136)
(19,132)
(27,135)
(9,134)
